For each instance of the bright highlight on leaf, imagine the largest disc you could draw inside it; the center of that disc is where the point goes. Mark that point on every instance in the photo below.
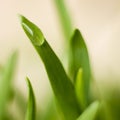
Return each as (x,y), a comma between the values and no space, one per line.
(61,84)
(90,112)
(31,107)
(32,31)
(79,87)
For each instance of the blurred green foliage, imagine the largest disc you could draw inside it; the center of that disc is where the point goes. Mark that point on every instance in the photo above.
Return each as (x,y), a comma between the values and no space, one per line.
(73,97)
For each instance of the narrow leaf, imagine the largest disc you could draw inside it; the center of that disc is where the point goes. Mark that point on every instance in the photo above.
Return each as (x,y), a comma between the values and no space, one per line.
(79,87)
(80,59)
(90,112)
(31,108)
(5,83)
(64,17)
(67,27)
(62,86)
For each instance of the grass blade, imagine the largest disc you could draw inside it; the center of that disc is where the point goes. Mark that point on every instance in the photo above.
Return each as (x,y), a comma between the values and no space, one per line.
(62,86)
(5,83)
(79,87)
(67,27)
(80,59)
(65,18)
(31,107)
(90,112)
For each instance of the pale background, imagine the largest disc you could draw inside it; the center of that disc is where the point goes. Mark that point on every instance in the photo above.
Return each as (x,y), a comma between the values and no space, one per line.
(98,20)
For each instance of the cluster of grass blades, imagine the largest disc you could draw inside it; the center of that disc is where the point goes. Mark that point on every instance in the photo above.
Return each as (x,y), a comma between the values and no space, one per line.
(72,97)
(72,89)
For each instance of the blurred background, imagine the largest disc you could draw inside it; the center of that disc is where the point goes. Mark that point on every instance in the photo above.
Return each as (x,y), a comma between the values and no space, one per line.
(98,20)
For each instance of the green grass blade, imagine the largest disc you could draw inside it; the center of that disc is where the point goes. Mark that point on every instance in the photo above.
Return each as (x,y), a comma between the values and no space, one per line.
(64,17)
(79,55)
(79,88)
(62,86)
(66,26)
(80,59)
(31,107)
(90,112)
(5,83)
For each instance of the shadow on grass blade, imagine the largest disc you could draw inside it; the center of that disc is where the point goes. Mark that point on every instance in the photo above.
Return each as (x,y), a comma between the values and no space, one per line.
(61,84)
(90,112)
(5,83)
(31,107)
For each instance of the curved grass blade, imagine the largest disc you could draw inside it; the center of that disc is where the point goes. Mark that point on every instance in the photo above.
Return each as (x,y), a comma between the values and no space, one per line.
(79,88)
(62,86)
(65,18)
(31,107)
(5,83)
(90,112)
(80,59)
